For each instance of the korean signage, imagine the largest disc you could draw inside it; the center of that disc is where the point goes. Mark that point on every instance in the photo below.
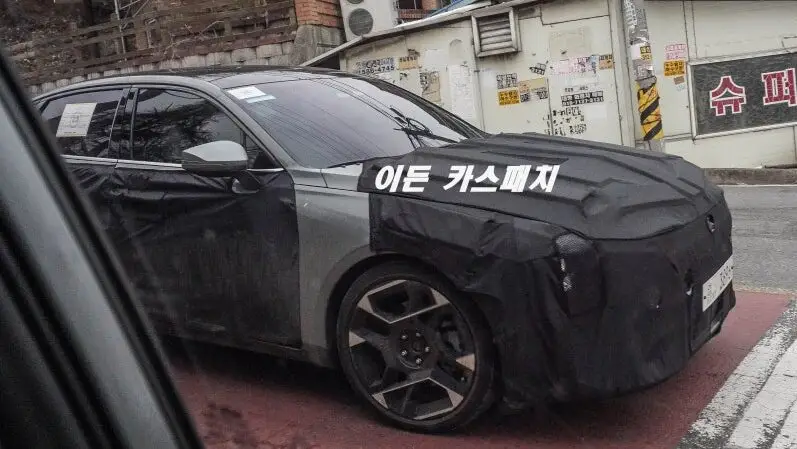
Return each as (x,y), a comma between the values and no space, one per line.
(582,98)
(375,66)
(744,94)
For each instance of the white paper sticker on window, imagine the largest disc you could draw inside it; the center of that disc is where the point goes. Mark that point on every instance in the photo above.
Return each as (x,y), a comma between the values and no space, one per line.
(263,97)
(75,120)
(245,93)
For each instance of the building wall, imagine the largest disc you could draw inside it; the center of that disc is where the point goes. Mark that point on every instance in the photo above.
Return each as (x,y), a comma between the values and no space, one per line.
(572,30)
(712,29)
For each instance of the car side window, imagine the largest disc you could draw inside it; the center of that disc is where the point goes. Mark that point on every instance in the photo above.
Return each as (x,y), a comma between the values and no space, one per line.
(82,122)
(166,122)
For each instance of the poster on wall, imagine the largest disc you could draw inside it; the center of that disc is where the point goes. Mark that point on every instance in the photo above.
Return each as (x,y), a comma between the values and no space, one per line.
(743,94)
(373,66)
(430,86)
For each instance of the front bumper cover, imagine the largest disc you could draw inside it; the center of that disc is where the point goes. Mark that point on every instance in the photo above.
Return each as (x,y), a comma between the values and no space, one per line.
(646,324)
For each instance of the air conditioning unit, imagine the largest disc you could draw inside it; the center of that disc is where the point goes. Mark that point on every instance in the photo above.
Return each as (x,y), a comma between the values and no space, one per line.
(368,16)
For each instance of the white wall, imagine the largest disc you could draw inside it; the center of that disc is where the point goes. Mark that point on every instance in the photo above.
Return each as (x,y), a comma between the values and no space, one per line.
(446,51)
(565,30)
(717,29)
(572,29)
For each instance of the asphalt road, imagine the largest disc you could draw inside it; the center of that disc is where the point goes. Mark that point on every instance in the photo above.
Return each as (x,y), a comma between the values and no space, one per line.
(242,400)
(764,236)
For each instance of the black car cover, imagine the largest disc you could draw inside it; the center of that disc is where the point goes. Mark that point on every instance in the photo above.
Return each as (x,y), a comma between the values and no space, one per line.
(627,311)
(204,255)
(601,191)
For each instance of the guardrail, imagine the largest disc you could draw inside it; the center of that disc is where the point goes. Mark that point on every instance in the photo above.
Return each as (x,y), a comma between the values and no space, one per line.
(155,36)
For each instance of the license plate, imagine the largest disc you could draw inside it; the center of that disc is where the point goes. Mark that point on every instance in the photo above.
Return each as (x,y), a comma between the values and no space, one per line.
(713,287)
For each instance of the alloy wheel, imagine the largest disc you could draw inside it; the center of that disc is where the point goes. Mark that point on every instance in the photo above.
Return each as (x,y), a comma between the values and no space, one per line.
(411,350)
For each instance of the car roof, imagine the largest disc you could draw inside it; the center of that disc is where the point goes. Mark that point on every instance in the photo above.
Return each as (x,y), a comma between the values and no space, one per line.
(224,77)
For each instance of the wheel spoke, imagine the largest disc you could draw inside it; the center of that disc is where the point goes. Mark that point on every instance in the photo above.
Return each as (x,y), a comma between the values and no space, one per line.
(412,380)
(455,387)
(363,335)
(406,400)
(410,293)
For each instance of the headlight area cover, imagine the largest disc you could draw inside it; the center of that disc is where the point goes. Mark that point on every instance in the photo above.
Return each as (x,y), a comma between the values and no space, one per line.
(578,265)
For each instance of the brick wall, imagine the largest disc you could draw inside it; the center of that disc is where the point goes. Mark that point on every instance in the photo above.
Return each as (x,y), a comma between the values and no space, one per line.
(319,12)
(430,4)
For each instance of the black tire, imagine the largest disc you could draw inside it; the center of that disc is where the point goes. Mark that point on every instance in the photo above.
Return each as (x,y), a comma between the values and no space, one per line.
(476,385)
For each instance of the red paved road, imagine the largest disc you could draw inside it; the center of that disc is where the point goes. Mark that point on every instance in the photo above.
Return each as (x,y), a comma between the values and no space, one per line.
(247,401)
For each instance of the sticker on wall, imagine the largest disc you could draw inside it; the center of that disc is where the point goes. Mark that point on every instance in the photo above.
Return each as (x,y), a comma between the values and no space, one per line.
(582,88)
(568,121)
(533,89)
(582,98)
(375,66)
(408,62)
(675,67)
(675,51)
(680,83)
(430,86)
(646,53)
(509,96)
(606,62)
(582,64)
(539,68)
(75,120)
(641,51)
(524,91)
(506,81)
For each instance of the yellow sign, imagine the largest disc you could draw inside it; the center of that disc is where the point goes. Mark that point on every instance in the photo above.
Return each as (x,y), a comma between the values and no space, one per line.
(645,51)
(511,96)
(407,62)
(674,67)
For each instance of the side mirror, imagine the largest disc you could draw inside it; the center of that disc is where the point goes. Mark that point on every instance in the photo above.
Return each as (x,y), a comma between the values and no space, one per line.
(215,159)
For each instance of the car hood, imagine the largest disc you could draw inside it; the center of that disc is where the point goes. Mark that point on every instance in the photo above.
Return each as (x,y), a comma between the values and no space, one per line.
(601,191)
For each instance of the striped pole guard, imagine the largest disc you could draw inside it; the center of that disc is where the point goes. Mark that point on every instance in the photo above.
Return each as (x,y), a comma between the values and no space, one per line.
(650,112)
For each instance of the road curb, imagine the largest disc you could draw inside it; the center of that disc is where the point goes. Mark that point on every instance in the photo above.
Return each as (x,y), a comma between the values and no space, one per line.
(751,176)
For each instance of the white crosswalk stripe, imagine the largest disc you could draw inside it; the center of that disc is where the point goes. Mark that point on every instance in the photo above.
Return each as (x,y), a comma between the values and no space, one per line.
(752,409)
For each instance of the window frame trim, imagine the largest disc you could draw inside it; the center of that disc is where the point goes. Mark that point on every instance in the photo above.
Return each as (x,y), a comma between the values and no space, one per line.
(246,132)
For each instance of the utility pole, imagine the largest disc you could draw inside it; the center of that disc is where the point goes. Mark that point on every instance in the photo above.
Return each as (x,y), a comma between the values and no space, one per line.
(644,77)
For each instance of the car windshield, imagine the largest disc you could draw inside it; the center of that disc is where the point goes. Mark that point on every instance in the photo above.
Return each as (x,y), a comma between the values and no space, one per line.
(326,122)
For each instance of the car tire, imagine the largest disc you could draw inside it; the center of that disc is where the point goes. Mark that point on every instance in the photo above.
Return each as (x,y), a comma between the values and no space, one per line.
(415,349)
